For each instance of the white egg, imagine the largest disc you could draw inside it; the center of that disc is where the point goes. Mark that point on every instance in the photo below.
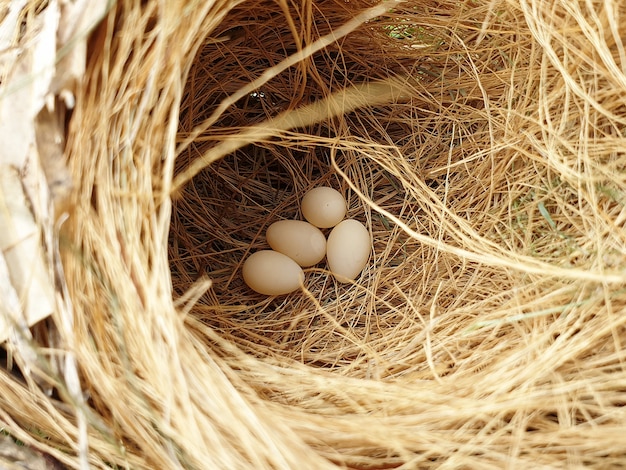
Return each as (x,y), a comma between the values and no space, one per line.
(301,241)
(324,207)
(348,249)
(271,273)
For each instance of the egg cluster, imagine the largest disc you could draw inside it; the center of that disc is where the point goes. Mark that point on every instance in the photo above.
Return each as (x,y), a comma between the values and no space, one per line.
(296,244)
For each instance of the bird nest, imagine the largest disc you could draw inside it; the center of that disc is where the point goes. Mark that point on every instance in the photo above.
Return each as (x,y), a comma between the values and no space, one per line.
(482,144)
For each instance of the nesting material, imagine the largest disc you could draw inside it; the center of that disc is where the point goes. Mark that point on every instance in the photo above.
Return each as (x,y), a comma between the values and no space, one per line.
(480,143)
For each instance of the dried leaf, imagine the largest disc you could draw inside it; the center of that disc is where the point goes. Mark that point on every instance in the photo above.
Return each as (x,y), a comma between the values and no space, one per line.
(77,20)
(20,243)
(50,146)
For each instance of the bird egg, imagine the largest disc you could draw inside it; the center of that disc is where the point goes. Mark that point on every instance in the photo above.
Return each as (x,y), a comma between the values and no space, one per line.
(324,207)
(272,273)
(301,241)
(348,249)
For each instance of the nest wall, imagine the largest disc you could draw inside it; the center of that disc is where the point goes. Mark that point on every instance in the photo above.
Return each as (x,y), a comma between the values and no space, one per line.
(482,143)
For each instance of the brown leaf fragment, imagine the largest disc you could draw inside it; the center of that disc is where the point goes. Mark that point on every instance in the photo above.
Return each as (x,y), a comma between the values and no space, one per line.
(50,138)
(17,456)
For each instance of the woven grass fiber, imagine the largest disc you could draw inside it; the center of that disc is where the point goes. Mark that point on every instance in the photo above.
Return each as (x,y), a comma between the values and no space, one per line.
(483,143)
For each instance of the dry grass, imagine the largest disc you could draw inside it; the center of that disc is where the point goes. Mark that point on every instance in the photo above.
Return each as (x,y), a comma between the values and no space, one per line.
(483,143)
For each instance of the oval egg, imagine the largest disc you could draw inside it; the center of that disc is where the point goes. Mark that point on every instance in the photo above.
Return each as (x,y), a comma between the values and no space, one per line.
(301,241)
(348,249)
(271,273)
(324,207)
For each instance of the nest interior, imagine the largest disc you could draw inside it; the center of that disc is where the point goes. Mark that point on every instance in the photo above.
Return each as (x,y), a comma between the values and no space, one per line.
(410,158)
